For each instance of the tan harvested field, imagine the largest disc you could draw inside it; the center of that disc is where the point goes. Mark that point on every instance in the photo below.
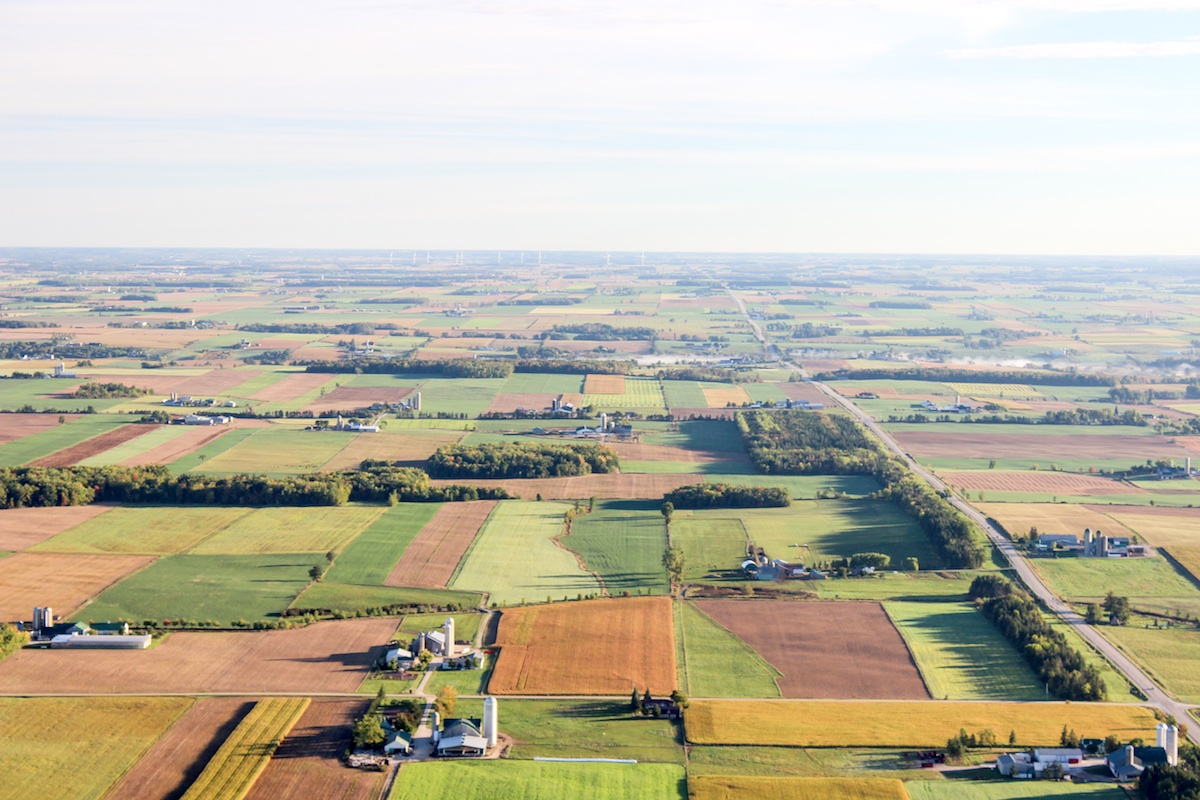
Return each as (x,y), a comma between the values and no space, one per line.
(605,486)
(588,647)
(408,446)
(719,398)
(292,386)
(63,582)
(351,397)
(188,442)
(1043,482)
(635,451)
(1169,527)
(18,426)
(308,762)
(508,403)
(1018,518)
(804,391)
(24,527)
(93,446)
(430,559)
(604,384)
(846,650)
(326,657)
(213,382)
(178,758)
(1047,447)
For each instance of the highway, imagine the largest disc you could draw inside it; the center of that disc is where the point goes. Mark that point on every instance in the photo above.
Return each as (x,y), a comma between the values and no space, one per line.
(1155,695)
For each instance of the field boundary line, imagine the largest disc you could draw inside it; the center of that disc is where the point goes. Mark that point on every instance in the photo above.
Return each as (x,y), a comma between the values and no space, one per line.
(567,528)
(751,652)
(142,754)
(907,646)
(1184,572)
(470,548)
(190,551)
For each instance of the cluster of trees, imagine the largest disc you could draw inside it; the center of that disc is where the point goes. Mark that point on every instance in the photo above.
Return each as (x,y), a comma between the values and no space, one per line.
(24,323)
(449,368)
(1061,667)
(106,391)
(603,332)
(723,495)
(1181,782)
(900,304)
(520,460)
(954,374)
(11,640)
(350,328)
(67,350)
(22,487)
(806,443)
(940,331)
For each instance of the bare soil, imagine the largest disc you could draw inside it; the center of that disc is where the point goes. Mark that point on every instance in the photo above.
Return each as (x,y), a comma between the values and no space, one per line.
(352,397)
(430,559)
(508,403)
(843,650)
(183,444)
(18,426)
(292,386)
(174,762)
(1044,482)
(307,763)
(973,441)
(24,527)
(93,446)
(330,656)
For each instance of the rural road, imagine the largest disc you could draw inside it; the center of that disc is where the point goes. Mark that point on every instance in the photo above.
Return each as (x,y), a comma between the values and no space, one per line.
(1155,695)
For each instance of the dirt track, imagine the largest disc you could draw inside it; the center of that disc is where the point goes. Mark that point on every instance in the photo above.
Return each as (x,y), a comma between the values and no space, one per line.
(430,559)
(846,650)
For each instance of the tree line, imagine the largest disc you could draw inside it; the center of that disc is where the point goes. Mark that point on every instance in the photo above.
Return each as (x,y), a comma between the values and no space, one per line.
(22,487)
(794,442)
(107,391)
(953,375)
(520,460)
(1061,667)
(723,495)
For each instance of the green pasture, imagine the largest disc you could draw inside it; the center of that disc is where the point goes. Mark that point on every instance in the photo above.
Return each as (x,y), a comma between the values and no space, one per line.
(765,392)
(515,561)
(465,681)
(40,395)
(713,662)
(144,530)
(684,394)
(466,625)
(311,397)
(829,529)
(901,586)
(1001,789)
(961,655)
(70,433)
(216,447)
(291,529)
(352,597)
(530,780)
(277,451)
(470,396)
(801,487)
(696,434)
(206,587)
(713,547)
(623,541)
(801,762)
(1170,655)
(721,468)
(542,383)
(1152,584)
(370,557)
(644,395)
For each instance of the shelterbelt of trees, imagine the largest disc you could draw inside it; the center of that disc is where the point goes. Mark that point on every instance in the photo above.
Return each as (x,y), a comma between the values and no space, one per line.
(795,442)
(969,376)
(723,495)
(1061,667)
(22,487)
(520,460)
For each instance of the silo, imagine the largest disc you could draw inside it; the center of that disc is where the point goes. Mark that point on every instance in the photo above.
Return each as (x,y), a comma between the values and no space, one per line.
(435,722)
(416,401)
(490,723)
(1171,745)
(37,619)
(448,628)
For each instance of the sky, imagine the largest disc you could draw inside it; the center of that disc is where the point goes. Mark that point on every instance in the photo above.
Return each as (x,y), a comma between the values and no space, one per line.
(931,126)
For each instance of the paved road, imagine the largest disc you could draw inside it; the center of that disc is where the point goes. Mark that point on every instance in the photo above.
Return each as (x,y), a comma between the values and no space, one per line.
(1134,674)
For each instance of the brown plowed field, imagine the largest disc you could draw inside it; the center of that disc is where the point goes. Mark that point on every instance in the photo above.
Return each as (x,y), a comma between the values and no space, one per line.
(1043,482)
(171,765)
(62,582)
(307,763)
(217,381)
(292,386)
(805,391)
(24,527)
(188,442)
(18,426)
(93,446)
(1048,447)
(605,486)
(324,657)
(390,447)
(351,397)
(844,650)
(430,559)
(589,647)
(604,384)
(508,403)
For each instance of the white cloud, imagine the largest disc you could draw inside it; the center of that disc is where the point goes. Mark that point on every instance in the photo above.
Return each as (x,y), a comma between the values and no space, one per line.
(1083,50)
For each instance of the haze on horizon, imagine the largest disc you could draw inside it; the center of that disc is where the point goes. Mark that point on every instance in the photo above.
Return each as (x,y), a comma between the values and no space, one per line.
(979,126)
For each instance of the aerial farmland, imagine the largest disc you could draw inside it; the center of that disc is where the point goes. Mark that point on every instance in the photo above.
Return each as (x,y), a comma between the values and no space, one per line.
(755,528)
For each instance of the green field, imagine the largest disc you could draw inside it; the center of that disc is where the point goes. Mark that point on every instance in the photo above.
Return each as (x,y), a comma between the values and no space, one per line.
(905,586)
(1010,790)
(586,729)
(154,530)
(156,436)
(465,681)
(802,487)
(370,557)
(829,762)
(712,662)
(195,587)
(700,434)
(351,597)
(1149,583)
(466,625)
(623,541)
(542,383)
(1170,656)
(529,780)
(515,561)
(644,395)
(107,736)
(961,655)
(277,451)
(225,442)
(283,529)
(470,396)
(70,433)
(713,547)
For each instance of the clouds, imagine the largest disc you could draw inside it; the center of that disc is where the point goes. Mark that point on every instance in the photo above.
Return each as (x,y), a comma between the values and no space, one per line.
(1187,47)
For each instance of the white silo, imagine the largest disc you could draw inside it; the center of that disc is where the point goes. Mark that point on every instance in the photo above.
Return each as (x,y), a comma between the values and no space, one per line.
(416,401)
(1167,737)
(47,617)
(448,628)
(490,723)
(435,723)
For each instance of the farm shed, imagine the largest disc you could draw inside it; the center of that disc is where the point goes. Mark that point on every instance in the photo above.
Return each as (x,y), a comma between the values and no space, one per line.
(104,642)
(462,738)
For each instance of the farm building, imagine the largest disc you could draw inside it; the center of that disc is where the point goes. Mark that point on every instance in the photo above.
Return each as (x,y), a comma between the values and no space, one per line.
(100,641)
(440,643)
(469,738)
(1128,762)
